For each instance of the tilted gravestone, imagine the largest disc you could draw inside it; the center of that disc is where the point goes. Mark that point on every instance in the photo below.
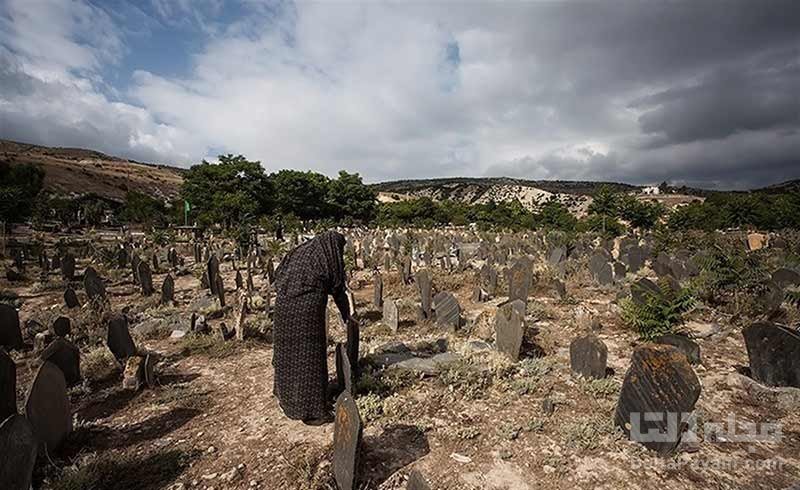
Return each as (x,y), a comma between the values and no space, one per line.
(344,371)
(239,280)
(588,356)
(347,433)
(448,311)
(168,290)
(8,385)
(61,327)
(145,278)
(509,326)
(684,344)
(425,287)
(18,446)
(212,271)
(71,299)
(66,357)
(219,290)
(119,339)
(47,407)
(560,288)
(93,284)
(520,280)
(377,293)
(643,289)
(658,393)
(390,315)
(10,332)
(774,353)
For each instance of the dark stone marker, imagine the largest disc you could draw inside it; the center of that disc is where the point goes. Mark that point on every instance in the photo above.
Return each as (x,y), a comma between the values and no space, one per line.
(344,372)
(62,327)
(390,315)
(684,344)
(377,294)
(145,278)
(642,289)
(406,269)
(786,277)
(135,261)
(416,481)
(10,333)
(47,407)
(119,339)
(71,299)
(67,357)
(588,356)
(424,286)
(663,265)
(774,353)
(347,433)
(659,381)
(122,257)
(93,284)
(489,279)
(561,289)
(168,290)
(448,311)
(509,326)
(353,342)
(219,289)
(239,280)
(18,446)
(520,280)
(212,270)
(8,385)
(68,267)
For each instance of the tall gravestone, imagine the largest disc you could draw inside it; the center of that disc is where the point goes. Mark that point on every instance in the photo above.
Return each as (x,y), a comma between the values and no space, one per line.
(8,385)
(68,267)
(509,325)
(448,311)
(377,294)
(145,278)
(10,332)
(588,356)
(18,446)
(93,284)
(774,353)
(61,326)
(520,280)
(390,315)
(347,433)
(344,371)
(47,407)
(71,299)
(66,357)
(425,289)
(135,261)
(416,481)
(119,339)
(168,290)
(212,271)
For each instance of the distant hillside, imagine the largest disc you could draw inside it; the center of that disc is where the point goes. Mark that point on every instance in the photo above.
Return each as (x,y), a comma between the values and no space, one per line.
(74,171)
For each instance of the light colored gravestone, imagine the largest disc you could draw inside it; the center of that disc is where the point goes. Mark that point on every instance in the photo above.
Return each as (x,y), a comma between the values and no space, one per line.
(18,446)
(448,311)
(424,286)
(390,315)
(347,432)
(588,356)
(71,299)
(489,280)
(661,384)
(520,280)
(774,353)
(168,290)
(93,284)
(240,314)
(509,325)
(66,357)
(133,375)
(10,333)
(47,407)
(377,294)
(119,339)
(8,385)
(61,326)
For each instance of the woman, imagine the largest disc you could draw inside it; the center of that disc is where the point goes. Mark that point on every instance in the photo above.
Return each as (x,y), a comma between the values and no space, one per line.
(304,279)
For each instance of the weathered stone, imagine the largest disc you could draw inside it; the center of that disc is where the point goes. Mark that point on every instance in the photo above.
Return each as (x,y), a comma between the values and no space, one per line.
(219,290)
(145,278)
(662,265)
(785,277)
(8,386)
(774,353)
(509,327)
(560,288)
(119,339)
(66,357)
(416,481)
(377,293)
(68,267)
(71,299)
(588,356)
(347,433)
(659,389)
(18,446)
(557,255)
(424,287)
(133,375)
(643,289)
(93,284)
(448,311)
(785,398)
(520,280)
(683,344)
(62,326)
(756,241)
(212,271)
(10,333)
(168,290)
(344,371)
(47,407)
(390,315)
(239,280)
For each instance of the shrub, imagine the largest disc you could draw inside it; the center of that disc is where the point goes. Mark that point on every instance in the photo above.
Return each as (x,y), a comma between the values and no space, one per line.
(660,313)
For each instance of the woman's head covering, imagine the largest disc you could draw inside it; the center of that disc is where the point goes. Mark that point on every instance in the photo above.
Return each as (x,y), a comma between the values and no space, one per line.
(332,244)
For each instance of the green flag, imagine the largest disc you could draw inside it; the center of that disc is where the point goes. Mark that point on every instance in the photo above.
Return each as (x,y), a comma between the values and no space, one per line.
(186,206)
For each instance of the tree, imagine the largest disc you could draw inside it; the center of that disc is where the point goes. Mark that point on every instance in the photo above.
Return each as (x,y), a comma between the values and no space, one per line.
(640,214)
(553,215)
(349,199)
(143,209)
(302,194)
(19,187)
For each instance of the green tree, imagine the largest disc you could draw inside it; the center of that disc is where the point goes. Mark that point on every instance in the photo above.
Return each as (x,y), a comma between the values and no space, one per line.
(553,215)
(143,209)
(605,204)
(640,214)
(302,194)
(350,200)
(19,187)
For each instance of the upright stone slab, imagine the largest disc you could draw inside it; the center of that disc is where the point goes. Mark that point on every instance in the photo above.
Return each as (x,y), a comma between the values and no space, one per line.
(661,384)
(145,279)
(219,290)
(47,407)
(774,353)
(390,315)
(93,284)
(377,294)
(786,277)
(448,311)
(71,299)
(416,481)
(18,446)
(168,290)
(10,333)
(66,357)
(406,269)
(643,289)
(588,356)
(347,432)
(520,280)
(119,339)
(344,371)
(488,277)
(425,286)
(684,344)
(62,327)
(135,261)
(509,326)
(212,270)
(68,267)
(8,386)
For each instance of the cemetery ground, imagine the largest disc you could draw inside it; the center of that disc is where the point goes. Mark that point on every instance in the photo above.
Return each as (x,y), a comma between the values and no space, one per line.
(438,400)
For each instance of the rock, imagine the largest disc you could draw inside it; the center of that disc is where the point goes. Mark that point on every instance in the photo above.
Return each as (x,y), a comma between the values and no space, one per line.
(756,241)
(700,330)
(391,315)
(18,445)
(785,398)
(510,328)
(133,376)
(416,481)
(774,353)
(588,356)
(47,407)
(10,333)
(786,277)
(177,334)
(427,366)
(684,344)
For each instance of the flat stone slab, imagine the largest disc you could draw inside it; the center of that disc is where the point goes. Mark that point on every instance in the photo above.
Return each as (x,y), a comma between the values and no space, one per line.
(18,446)
(47,406)
(783,398)
(428,366)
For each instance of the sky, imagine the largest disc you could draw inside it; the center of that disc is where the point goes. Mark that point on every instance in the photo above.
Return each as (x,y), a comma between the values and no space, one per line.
(703,93)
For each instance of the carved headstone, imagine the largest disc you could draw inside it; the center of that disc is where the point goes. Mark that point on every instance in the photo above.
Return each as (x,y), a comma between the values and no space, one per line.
(448,311)
(390,315)
(47,407)
(347,432)
(119,339)
(520,280)
(774,353)
(588,356)
(18,446)
(509,326)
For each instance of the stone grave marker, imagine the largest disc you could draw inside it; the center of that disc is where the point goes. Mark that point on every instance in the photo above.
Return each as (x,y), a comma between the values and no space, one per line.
(786,277)
(219,290)
(62,326)
(347,433)
(684,344)
(448,311)
(145,278)
(18,445)
(10,333)
(344,371)
(406,269)
(93,284)
(135,261)
(520,280)
(47,407)
(68,267)
(642,289)
(425,287)
(377,294)
(509,326)
(488,276)
(239,280)
(212,270)
(391,317)
(416,481)
(66,357)
(8,385)
(588,356)
(168,290)
(659,381)
(71,299)
(774,353)
(119,339)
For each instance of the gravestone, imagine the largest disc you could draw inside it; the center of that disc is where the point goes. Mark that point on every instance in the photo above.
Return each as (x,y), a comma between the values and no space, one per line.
(122,257)
(390,315)
(448,311)
(135,261)
(62,326)
(424,286)
(93,284)
(119,339)
(509,326)
(155,261)
(66,357)
(684,344)
(377,294)
(416,481)
(643,289)
(662,265)
(588,356)
(168,290)
(68,267)
(557,255)
(347,432)
(145,278)
(785,277)
(520,280)
(489,279)
(219,290)
(71,299)
(239,280)
(406,269)
(353,342)
(212,270)
(172,257)
(774,353)
(47,407)
(661,383)
(250,286)
(18,446)
(344,371)
(8,385)
(561,289)
(10,333)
